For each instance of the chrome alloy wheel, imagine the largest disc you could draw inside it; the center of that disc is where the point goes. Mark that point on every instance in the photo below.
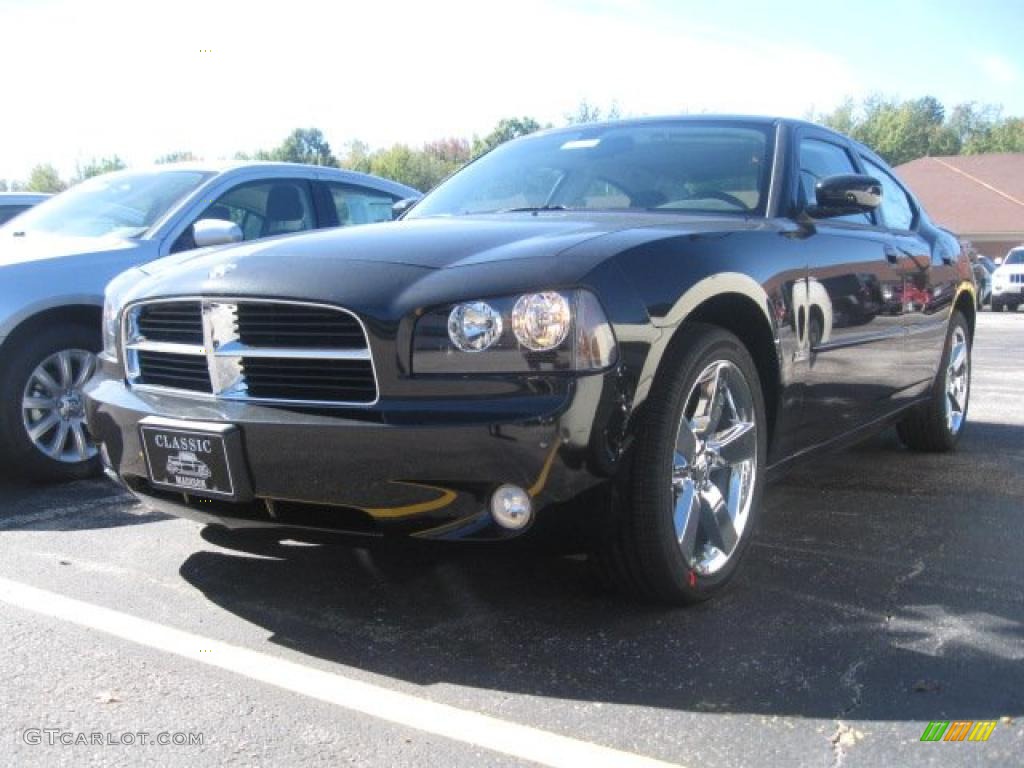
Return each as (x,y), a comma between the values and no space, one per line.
(715,467)
(958,380)
(53,407)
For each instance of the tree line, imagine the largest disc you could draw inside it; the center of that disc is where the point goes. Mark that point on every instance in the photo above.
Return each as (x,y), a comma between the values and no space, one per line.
(899,131)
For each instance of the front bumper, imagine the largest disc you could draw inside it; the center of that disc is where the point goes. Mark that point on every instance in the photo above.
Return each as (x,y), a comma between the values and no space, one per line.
(379,471)
(1012,292)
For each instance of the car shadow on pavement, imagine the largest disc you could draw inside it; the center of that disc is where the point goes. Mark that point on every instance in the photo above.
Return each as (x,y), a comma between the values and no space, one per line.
(78,506)
(882,585)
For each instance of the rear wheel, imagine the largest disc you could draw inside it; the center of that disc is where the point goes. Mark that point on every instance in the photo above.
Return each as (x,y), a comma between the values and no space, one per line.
(936,425)
(685,516)
(42,411)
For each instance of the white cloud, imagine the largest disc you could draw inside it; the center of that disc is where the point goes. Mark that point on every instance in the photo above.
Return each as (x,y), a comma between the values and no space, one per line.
(113,76)
(1000,69)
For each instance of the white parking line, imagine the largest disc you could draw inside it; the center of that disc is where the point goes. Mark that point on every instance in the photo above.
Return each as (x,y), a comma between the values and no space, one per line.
(513,739)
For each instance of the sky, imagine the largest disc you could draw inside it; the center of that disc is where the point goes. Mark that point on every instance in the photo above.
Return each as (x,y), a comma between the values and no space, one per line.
(140,78)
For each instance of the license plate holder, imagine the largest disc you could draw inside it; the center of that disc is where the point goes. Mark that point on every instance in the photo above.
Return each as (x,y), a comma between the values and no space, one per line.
(195,458)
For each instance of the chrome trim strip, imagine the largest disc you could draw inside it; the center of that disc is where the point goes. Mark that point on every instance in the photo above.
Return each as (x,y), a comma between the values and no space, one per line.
(228,354)
(775,180)
(169,347)
(238,349)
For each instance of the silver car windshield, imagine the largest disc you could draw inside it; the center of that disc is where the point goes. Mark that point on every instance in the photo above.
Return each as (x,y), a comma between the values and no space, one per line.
(121,204)
(669,167)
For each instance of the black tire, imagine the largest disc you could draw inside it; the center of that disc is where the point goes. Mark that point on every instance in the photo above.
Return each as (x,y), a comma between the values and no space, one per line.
(640,553)
(18,455)
(926,427)
(997,306)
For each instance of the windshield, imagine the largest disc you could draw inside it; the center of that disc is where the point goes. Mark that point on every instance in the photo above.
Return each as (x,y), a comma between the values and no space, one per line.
(658,166)
(1015,257)
(120,204)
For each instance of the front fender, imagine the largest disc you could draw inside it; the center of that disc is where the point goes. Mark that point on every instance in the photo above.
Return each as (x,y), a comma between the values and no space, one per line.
(721,284)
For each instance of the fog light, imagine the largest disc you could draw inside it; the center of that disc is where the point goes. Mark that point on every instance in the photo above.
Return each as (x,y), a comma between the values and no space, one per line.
(511,507)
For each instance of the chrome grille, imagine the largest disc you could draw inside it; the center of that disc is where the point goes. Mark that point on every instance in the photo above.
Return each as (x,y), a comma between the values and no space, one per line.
(296,325)
(172,321)
(308,379)
(169,369)
(246,349)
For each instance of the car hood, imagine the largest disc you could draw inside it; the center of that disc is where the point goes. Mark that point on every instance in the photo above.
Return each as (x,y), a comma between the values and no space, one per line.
(391,266)
(36,246)
(1008,269)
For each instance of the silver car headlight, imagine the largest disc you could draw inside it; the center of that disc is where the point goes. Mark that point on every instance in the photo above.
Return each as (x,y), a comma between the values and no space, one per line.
(113,303)
(541,332)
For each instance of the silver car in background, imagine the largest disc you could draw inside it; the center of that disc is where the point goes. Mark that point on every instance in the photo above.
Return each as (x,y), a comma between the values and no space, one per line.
(57,258)
(13,203)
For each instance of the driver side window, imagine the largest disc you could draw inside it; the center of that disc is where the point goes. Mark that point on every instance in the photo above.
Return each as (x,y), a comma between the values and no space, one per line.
(818,160)
(260,209)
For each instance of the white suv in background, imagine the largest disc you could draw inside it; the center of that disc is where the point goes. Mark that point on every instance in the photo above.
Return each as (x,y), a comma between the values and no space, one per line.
(1008,282)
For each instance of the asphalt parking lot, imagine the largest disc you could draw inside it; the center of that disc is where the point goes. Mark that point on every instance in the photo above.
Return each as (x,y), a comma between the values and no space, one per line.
(885,589)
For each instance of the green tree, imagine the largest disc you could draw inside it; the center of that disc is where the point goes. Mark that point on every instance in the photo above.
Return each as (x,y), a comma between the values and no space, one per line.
(95,167)
(1004,135)
(176,157)
(508,128)
(305,145)
(590,113)
(357,156)
(44,178)
(841,119)
(421,168)
(406,165)
(898,131)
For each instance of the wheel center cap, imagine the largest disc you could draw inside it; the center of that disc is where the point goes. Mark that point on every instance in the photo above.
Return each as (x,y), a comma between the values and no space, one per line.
(70,405)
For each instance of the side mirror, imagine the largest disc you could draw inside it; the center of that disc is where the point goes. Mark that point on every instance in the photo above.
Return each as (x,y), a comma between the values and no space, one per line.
(999,261)
(402,207)
(207,232)
(843,195)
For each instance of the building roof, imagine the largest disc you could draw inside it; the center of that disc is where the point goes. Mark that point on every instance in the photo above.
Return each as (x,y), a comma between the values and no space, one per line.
(971,194)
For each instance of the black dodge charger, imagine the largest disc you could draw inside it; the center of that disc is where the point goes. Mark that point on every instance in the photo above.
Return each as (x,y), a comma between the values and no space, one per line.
(614,332)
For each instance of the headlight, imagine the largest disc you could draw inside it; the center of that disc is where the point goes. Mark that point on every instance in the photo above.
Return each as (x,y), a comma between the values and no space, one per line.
(474,327)
(541,320)
(113,301)
(543,332)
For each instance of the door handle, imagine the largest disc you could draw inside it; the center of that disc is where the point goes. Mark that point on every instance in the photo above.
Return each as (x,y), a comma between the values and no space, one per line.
(892,255)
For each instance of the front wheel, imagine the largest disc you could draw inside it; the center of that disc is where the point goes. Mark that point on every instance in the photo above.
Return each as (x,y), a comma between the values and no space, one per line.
(936,425)
(42,412)
(684,518)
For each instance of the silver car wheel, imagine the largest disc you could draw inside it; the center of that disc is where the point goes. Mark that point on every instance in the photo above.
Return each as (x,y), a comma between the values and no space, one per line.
(715,467)
(958,380)
(53,407)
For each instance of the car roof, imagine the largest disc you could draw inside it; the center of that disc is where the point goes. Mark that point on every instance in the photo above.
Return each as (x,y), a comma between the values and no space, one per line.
(758,120)
(277,169)
(14,198)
